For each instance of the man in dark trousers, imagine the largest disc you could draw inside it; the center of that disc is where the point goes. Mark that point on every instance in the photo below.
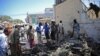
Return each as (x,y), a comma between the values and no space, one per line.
(46,28)
(53,31)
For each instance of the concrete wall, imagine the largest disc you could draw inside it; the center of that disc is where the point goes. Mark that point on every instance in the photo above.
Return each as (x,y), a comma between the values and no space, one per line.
(67,11)
(92,29)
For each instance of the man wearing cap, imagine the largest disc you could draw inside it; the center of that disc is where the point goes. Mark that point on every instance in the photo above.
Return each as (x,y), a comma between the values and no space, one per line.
(3,42)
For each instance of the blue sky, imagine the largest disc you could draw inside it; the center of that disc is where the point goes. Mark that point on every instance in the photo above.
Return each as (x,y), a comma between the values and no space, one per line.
(18,8)
(91,1)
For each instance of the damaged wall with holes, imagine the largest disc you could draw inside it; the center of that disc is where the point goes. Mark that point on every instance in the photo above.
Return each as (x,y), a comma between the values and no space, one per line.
(67,11)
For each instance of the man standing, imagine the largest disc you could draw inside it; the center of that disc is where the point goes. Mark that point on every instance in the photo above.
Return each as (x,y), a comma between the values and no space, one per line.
(95,8)
(46,28)
(3,43)
(30,36)
(15,43)
(53,31)
(76,28)
(61,31)
(38,29)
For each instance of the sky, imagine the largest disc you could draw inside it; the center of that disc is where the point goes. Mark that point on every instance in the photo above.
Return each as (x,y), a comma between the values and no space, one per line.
(18,9)
(86,2)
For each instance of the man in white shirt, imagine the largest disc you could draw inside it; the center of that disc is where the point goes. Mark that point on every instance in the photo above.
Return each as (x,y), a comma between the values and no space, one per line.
(61,31)
(61,27)
(3,42)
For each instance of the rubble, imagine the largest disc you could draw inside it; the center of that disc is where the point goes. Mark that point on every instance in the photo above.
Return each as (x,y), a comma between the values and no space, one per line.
(83,46)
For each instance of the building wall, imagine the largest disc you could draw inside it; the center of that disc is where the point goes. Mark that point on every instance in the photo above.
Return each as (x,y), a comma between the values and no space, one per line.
(67,11)
(59,1)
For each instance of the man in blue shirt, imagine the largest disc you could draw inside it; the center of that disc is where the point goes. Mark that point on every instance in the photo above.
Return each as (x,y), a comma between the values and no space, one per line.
(46,28)
(38,30)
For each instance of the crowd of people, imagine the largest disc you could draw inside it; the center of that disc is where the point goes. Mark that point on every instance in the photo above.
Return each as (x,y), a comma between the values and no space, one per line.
(51,31)
(10,37)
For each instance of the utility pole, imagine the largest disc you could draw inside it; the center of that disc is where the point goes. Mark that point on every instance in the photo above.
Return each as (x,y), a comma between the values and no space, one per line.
(99,3)
(94,2)
(89,1)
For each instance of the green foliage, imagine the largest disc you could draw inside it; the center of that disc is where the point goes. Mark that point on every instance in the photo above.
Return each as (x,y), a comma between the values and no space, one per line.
(17,21)
(5,18)
(8,18)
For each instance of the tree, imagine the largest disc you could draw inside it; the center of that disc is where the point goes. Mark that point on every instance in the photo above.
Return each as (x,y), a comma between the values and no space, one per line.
(5,18)
(9,19)
(17,21)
